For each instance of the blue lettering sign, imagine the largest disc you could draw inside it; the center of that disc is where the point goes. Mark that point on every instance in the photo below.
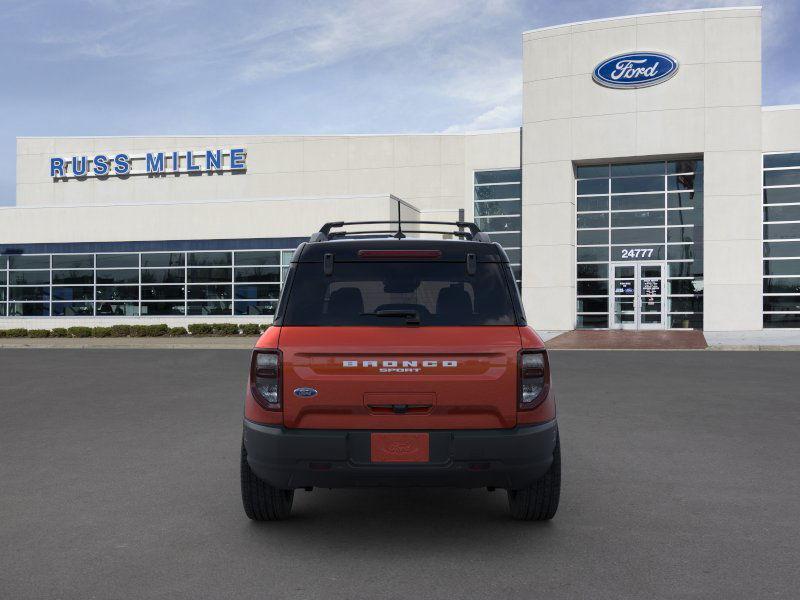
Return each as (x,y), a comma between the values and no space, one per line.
(56,167)
(154,163)
(635,70)
(213,160)
(123,165)
(100,164)
(190,166)
(237,159)
(79,166)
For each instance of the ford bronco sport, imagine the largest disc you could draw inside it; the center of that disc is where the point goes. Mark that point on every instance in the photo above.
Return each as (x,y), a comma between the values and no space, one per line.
(400,361)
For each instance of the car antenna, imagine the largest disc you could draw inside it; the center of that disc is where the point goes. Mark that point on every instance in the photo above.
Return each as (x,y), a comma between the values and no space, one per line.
(399,235)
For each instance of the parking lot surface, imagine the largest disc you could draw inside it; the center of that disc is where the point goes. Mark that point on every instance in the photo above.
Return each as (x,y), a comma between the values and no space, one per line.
(119,479)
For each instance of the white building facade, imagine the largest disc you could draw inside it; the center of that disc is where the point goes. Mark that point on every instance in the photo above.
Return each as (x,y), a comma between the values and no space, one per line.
(654,192)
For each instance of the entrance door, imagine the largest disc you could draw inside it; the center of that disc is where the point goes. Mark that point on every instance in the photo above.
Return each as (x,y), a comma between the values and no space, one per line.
(637,295)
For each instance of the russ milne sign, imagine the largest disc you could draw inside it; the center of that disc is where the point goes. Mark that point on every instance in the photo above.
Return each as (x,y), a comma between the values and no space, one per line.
(635,70)
(151,163)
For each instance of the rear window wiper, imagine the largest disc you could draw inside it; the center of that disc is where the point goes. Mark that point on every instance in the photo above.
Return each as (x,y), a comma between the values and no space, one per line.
(412,316)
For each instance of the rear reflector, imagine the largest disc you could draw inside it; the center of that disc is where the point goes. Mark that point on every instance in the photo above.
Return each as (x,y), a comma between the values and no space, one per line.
(399,253)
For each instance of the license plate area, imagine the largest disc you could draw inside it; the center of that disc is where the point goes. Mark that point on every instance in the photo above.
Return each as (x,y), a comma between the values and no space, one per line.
(399,447)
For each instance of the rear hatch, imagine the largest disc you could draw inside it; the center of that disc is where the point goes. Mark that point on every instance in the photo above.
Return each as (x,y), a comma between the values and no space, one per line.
(394,335)
(400,378)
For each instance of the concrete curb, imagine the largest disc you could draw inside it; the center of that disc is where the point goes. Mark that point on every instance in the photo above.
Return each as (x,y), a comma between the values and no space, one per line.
(246,343)
(167,343)
(754,348)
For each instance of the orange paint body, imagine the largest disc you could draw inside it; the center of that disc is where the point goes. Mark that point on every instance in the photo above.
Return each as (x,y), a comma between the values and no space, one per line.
(409,378)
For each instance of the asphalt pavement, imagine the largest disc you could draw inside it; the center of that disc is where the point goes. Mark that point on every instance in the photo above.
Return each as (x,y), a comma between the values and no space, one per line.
(119,479)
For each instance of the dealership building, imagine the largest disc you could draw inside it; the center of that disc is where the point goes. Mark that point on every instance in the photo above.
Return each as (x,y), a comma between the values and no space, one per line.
(646,188)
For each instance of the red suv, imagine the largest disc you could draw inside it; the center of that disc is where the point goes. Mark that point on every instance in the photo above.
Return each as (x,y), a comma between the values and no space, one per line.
(400,361)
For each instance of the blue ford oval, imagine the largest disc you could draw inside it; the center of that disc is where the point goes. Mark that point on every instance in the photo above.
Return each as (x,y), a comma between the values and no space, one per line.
(305,392)
(635,70)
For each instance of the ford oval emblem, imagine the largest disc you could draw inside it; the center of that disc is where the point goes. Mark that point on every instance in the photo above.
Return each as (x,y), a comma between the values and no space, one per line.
(635,70)
(305,392)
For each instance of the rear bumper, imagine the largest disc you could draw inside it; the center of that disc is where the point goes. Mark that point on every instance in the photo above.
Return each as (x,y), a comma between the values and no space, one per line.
(296,458)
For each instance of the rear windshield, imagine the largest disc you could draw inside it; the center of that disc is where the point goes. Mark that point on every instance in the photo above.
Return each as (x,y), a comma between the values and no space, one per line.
(408,293)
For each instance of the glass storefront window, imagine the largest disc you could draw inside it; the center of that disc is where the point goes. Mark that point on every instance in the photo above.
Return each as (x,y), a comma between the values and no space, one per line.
(781,248)
(130,284)
(640,212)
(498,211)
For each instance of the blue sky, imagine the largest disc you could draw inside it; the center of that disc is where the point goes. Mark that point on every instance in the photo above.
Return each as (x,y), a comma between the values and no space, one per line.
(151,67)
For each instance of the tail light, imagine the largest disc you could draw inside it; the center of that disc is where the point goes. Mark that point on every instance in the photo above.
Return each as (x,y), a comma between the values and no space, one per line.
(534,378)
(265,378)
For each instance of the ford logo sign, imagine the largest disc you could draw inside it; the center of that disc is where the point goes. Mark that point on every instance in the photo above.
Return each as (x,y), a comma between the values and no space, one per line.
(305,392)
(635,70)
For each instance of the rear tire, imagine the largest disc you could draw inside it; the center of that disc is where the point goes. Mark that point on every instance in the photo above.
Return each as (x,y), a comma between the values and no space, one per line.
(261,501)
(539,501)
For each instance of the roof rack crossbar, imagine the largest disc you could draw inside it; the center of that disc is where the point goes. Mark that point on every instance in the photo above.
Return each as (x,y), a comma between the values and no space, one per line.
(474,232)
(392,233)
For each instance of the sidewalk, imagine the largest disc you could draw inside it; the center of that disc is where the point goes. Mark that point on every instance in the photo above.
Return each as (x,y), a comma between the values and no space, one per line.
(774,339)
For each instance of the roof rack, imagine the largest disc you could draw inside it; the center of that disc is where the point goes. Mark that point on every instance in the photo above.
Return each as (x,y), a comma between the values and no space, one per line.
(472,233)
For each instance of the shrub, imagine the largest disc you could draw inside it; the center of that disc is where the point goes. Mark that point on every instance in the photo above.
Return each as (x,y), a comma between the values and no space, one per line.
(120,330)
(59,332)
(157,330)
(80,332)
(177,331)
(138,330)
(2,333)
(101,332)
(263,327)
(38,333)
(250,329)
(17,332)
(225,329)
(201,329)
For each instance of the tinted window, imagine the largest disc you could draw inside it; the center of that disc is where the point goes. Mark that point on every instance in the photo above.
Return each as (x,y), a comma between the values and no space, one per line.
(163,259)
(655,168)
(593,186)
(118,275)
(362,293)
(637,184)
(29,277)
(586,204)
(86,276)
(497,176)
(257,258)
(496,192)
(105,261)
(782,195)
(483,209)
(73,261)
(209,259)
(789,177)
(29,262)
(588,171)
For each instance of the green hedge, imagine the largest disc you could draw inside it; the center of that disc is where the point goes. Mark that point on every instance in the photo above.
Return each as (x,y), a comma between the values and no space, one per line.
(199,329)
(225,329)
(80,332)
(16,332)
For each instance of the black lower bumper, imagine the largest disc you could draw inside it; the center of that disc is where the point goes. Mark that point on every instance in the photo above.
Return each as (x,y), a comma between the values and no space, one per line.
(297,458)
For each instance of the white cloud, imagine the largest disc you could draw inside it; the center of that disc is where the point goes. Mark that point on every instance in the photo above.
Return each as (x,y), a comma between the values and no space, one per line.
(497,117)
